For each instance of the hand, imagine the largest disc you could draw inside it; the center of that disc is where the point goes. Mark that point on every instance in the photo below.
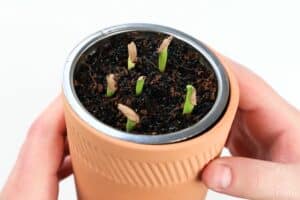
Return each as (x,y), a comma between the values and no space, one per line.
(264,142)
(43,161)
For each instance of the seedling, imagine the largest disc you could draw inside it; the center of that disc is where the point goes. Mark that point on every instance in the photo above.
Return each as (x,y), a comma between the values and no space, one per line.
(132,117)
(132,55)
(163,53)
(111,85)
(139,85)
(190,100)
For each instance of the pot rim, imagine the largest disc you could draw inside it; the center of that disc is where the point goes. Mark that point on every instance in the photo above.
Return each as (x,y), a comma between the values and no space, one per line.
(204,124)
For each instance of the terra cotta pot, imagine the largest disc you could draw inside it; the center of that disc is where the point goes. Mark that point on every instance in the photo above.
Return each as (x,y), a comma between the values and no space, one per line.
(113,165)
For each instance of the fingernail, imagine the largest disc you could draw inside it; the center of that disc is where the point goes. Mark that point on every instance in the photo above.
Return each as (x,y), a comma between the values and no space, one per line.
(221,177)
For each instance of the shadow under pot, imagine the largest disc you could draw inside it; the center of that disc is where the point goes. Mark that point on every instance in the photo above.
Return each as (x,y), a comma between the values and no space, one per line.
(146,108)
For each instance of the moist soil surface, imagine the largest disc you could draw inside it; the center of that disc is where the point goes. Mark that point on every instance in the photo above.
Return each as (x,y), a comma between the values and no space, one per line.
(161,103)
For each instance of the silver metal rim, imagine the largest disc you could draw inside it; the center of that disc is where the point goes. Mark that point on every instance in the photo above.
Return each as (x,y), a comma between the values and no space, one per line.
(204,124)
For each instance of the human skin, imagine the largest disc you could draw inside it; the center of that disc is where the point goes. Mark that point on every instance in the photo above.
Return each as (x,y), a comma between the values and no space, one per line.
(264,142)
(43,160)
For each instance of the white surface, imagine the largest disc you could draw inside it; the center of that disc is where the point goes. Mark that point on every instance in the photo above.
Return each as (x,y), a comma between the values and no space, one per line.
(36,37)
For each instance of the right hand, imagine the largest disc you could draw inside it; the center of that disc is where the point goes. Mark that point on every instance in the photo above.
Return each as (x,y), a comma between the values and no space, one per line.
(264,142)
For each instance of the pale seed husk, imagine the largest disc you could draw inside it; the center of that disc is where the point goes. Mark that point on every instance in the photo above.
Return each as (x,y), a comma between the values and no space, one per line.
(132,52)
(194,97)
(111,82)
(141,78)
(165,44)
(129,113)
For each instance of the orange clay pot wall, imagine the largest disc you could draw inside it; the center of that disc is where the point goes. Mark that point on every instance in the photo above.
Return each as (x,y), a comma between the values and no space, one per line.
(111,169)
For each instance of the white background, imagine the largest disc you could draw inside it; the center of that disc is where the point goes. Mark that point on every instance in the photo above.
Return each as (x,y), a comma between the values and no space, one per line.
(36,37)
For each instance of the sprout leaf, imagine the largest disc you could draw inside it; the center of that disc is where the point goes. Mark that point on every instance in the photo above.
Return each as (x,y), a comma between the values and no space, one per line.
(190,100)
(132,117)
(140,85)
(111,85)
(132,55)
(163,53)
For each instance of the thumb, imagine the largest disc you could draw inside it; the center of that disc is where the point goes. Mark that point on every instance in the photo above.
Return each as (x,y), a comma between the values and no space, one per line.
(252,179)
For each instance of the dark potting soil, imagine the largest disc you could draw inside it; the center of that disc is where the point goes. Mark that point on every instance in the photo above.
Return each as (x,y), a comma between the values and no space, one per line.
(161,103)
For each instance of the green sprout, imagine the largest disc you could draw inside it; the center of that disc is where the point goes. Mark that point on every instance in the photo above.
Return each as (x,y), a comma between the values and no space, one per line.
(132,117)
(130,125)
(190,100)
(163,53)
(111,85)
(139,85)
(132,55)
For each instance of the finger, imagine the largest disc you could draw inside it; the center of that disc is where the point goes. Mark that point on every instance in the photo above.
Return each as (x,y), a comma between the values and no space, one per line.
(261,109)
(252,179)
(65,169)
(239,142)
(255,92)
(41,155)
(44,145)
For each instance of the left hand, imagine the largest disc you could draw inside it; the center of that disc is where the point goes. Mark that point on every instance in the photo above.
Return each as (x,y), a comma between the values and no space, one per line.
(43,160)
